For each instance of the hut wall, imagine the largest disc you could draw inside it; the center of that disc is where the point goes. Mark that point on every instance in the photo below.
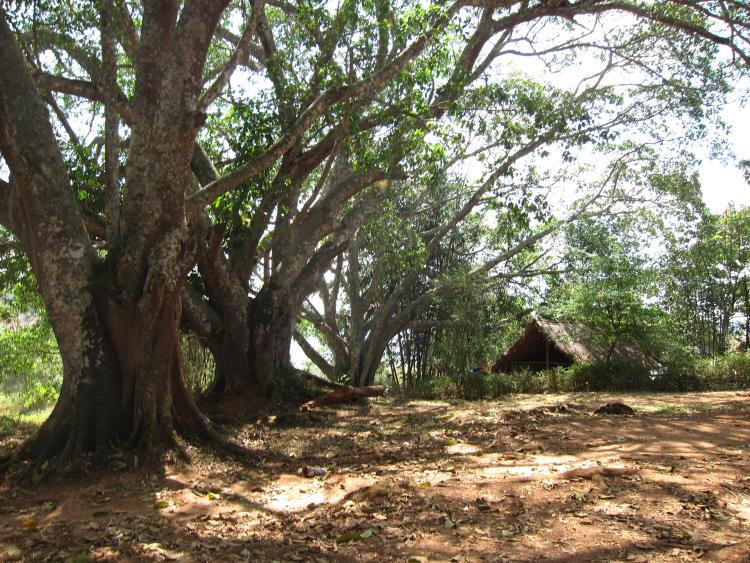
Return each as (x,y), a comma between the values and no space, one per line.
(532,351)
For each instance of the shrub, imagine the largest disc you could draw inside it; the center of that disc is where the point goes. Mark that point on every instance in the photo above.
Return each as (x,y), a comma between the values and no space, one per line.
(557,380)
(724,373)
(730,372)
(578,377)
(554,380)
(499,384)
(30,364)
(473,386)
(599,376)
(445,388)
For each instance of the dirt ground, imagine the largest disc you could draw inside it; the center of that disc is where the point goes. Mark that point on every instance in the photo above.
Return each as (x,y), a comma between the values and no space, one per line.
(512,480)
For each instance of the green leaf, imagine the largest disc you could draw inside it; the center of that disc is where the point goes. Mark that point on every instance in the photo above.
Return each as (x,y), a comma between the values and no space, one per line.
(449,524)
(347,537)
(14,552)
(161,504)
(366,534)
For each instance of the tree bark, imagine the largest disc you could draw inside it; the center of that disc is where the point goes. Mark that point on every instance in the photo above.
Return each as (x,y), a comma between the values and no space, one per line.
(271,319)
(251,347)
(115,319)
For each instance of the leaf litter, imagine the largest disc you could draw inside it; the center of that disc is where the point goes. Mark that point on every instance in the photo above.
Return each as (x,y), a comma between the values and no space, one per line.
(423,481)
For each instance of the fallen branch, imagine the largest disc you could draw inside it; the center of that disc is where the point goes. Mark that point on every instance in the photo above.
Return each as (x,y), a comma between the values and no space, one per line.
(343,395)
(593,472)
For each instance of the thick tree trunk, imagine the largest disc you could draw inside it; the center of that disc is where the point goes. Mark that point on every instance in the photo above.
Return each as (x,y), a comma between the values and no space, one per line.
(227,338)
(131,395)
(89,414)
(252,348)
(115,320)
(271,319)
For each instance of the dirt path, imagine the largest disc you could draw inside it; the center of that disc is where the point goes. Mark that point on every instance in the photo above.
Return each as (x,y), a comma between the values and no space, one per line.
(423,481)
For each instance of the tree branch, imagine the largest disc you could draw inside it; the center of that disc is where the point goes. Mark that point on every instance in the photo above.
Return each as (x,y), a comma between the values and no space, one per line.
(308,117)
(111,125)
(239,56)
(313,354)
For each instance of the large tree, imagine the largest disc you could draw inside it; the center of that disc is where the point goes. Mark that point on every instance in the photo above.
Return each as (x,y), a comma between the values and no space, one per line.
(116,313)
(350,89)
(280,241)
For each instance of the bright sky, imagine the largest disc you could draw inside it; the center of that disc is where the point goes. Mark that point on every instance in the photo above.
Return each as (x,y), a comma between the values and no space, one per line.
(723,182)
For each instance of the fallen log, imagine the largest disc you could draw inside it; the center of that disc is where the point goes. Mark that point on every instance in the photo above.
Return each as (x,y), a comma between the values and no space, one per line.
(343,395)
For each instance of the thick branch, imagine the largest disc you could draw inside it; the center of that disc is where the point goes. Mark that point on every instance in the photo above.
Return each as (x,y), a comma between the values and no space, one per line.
(308,117)
(313,354)
(111,125)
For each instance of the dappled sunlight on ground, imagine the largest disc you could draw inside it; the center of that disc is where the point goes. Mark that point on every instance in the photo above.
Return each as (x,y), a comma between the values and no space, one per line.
(512,480)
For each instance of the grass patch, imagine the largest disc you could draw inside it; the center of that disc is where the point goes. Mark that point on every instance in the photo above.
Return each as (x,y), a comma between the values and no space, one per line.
(665,409)
(13,413)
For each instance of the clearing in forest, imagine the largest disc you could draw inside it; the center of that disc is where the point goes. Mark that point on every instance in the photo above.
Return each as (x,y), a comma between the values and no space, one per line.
(511,480)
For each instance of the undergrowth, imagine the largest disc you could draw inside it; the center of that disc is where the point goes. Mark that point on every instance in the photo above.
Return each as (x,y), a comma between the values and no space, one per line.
(727,373)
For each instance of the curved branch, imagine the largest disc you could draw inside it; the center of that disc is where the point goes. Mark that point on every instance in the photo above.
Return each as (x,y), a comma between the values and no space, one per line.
(239,56)
(315,110)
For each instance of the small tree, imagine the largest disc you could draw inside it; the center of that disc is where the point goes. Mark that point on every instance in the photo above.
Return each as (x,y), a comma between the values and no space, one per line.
(612,284)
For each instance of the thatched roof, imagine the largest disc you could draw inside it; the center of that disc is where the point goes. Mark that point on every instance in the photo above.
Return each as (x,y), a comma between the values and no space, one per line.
(573,342)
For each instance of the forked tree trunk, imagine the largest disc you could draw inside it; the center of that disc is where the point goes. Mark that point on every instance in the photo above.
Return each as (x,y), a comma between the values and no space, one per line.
(254,355)
(116,321)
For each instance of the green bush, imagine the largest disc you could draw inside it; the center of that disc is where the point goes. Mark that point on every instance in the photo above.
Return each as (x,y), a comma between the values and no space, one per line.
(599,376)
(444,388)
(675,380)
(473,386)
(499,384)
(579,377)
(730,372)
(725,373)
(30,364)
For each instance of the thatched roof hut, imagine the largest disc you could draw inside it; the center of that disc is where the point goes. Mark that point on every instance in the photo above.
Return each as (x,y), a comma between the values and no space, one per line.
(547,344)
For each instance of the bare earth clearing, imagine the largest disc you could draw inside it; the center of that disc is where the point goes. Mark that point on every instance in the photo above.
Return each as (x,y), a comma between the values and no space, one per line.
(422,481)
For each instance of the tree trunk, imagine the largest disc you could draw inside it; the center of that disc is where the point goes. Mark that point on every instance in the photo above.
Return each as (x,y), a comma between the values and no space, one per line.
(252,349)
(131,394)
(271,319)
(115,320)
